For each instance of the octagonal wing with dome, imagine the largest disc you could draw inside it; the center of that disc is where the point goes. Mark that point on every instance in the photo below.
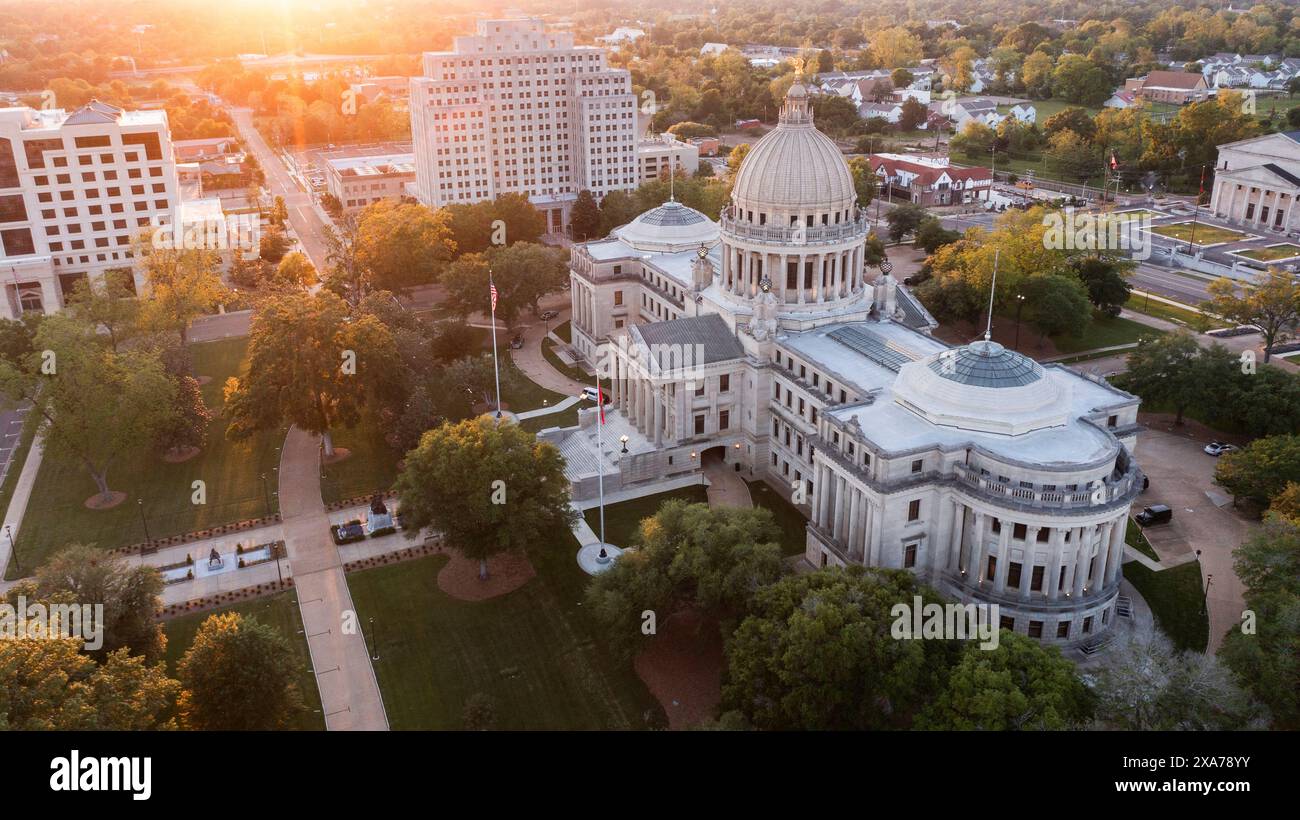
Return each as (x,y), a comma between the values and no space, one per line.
(669,228)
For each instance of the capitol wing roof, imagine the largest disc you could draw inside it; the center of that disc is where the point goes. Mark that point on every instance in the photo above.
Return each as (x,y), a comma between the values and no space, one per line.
(670,227)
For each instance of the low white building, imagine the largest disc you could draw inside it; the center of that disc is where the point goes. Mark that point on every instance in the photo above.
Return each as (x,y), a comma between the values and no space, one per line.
(358,181)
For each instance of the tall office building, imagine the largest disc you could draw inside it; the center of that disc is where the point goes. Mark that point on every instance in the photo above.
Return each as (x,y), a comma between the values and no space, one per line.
(76,190)
(517,109)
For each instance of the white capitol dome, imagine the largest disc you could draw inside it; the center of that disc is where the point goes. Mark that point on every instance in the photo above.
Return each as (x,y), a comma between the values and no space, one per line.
(983,387)
(670,228)
(795,168)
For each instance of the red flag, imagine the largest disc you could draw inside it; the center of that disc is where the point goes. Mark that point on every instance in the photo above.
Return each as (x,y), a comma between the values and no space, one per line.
(600,400)
(493,288)
(1202,191)
(1114,163)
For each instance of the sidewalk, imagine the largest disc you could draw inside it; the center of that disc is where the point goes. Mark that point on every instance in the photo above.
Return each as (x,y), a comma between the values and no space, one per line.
(349,692)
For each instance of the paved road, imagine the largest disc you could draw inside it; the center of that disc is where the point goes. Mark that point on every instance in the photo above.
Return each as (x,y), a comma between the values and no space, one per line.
(11,428)
(1181,287)
(306,223)
(349,692)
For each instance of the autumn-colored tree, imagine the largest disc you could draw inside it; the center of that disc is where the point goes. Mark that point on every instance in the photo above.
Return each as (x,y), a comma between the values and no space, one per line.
(1272,304)
(399,245)
(182,285)
(238,675)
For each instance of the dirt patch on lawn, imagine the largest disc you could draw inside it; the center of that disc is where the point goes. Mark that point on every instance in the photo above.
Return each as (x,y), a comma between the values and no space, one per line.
(101,502)
(180,454)
(506,573)
(682,668)
(1004,333)
(340,454)
(481,408)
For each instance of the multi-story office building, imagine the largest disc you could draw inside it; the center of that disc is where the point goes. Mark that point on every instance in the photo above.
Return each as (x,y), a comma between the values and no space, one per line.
(76,190)
(517,109)
(655,155)
(358,181)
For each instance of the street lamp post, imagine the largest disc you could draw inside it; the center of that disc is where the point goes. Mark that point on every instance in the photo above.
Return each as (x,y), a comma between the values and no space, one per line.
(147,538)
(1020,303)
(266,495)
(13,549)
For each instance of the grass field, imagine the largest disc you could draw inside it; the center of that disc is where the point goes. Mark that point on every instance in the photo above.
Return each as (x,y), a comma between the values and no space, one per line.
(1135,538)
(792,522)
(1177,600)
(231,472)
(1161,310)
(1205,234)
(1103,332)
(371,467)
(279,611)
(622,520)
(532,651)
(1272,253)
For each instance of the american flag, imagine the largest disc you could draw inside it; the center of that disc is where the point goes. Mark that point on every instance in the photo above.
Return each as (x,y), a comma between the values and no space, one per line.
(492,286)
(600,402)
(1114,163)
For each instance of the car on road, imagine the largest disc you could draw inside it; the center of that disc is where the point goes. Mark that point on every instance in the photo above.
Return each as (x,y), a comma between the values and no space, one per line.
(1155,514)
(1218,448)
(550,314)
(589,393)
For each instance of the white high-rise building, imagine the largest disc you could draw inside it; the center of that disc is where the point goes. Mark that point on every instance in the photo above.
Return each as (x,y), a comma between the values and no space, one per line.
(517,109)
(76,190)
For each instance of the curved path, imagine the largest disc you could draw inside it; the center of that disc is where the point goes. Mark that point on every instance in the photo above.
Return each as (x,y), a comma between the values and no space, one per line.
(726,488)
(349,692)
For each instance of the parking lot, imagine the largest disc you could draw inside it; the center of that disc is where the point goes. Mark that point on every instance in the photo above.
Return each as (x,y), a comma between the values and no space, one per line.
(1182,476)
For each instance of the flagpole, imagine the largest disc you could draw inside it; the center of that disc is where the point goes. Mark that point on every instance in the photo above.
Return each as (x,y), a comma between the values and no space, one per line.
(600,447)
(496,368)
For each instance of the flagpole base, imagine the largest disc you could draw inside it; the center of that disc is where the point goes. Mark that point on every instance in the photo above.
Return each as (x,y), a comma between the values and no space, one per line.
(595,558)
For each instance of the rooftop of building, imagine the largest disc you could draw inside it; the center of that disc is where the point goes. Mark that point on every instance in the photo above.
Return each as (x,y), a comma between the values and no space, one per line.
(376,165)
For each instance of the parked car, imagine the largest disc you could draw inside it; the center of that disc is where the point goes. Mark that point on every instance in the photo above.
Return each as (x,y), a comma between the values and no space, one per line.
(1155,514)
(1218,448)
(550,314)
(589,393)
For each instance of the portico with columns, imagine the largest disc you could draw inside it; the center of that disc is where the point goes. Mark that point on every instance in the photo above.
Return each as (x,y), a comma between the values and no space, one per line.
(1257,181)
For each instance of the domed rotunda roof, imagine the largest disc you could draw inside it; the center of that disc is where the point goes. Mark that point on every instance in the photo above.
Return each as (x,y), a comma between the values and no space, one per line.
(983,387)
(795,167)
(669,228)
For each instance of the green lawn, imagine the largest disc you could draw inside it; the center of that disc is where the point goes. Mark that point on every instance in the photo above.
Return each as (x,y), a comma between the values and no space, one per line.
(231,471)
(1272,253)
(792,522)
(371,467)
(1205,234)
(1134,537)
(19,457)
(1177,599)
(280,611)
(563,332)
(533,651)
(623,520)
(1162,310)
(1102,332)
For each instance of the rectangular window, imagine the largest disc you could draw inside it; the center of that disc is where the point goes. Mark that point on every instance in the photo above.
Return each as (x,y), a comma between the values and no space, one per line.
(1063,629)
(724,420)
(93,142)
(1035,629)
(699,425)
(914,510)
(618,298)
(12,208)
(1019,531)
(152,148)
(1008,623)
(917,465)
(724,383)
(1013,575)
(1087,625)
(909,556)
(17,242)
(1036,579)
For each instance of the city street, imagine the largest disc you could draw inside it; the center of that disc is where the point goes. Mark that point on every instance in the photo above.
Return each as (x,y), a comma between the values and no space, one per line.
(307,224)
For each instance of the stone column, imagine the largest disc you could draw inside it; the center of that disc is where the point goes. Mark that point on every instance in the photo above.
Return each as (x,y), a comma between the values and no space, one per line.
(1055,560)
(877,539)
(1081,560)
(1115,556)
(954,536)
(1027,566)
(1103,556)
(823,490)
(683,398)
(1004,558)
(838,531)
(852,529)
(658,400)
(974,555)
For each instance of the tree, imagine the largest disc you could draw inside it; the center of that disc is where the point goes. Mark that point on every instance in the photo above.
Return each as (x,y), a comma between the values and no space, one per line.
(1163,372)
(1057,305)
(476,377)
(932,235)
(864,180)
(111,307)
(338,367)
(817,653)
(182,285)
(96,405)
(959,65)
(399,245)
(912,114)
(1272,305)
(737,156)
(295,271)
(454,478)
(1146,685)
(1078,79)
(1103,276)
(687,554)
(905,219)
(1262,469)
(1070,119)
(273,246)
(619,208)
(187,426)
(1036,74)
(584,219)
(523,273)
(238,675)
(1072,155)
(50,685)
(1293,116)
(1018,686)
(1263,403)
(901,78)
(975,139)
(895,47)
(453,340)
(1267,663)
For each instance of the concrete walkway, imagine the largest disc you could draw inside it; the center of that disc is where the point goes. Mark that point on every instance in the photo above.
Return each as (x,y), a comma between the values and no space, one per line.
(726,488)
(555,408)
(349,692)
(18,504)
(533,364)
